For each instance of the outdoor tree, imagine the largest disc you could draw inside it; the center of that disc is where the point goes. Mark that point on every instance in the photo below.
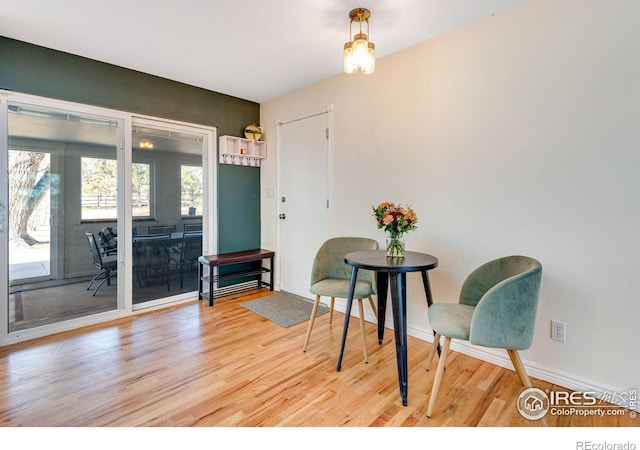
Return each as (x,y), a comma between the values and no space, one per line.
(191,186)
(100,186)
(30,175)
(140,184)
(99,178)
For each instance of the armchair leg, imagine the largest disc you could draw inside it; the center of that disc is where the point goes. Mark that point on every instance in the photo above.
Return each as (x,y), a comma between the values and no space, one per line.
(434,347)
(311,320)
(517,364)
(522,374)
(373,307)
(333,301)
(363,332)
(438,378)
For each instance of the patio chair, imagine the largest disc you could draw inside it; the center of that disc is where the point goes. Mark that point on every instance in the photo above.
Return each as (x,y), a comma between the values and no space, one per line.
(105,261)
(162,229)
(151,259)
(192,227)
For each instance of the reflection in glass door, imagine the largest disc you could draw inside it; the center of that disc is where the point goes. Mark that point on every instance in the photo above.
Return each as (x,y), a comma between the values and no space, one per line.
(167,210)
(59,208)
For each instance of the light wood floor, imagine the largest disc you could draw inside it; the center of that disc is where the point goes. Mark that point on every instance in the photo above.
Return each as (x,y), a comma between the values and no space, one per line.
(226,366)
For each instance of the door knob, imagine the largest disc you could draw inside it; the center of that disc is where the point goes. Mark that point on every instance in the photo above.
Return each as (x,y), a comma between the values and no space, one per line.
(282,216)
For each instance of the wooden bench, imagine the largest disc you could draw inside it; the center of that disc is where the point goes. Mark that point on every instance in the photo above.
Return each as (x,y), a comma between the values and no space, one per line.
(248,256)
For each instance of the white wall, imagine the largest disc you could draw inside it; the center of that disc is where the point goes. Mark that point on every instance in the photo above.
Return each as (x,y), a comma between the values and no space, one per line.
(518,134)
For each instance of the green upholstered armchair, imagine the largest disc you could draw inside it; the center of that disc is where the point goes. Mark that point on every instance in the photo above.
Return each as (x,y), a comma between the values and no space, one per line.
(330,277)
(497,308)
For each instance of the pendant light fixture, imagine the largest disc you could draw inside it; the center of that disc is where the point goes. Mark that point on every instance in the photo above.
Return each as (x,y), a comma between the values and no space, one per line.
(359,53)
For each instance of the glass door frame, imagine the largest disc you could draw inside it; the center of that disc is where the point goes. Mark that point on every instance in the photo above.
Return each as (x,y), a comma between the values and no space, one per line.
(125,305)
(209,204)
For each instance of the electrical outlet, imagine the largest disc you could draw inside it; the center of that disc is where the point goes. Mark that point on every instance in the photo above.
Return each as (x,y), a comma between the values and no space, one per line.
(558,331)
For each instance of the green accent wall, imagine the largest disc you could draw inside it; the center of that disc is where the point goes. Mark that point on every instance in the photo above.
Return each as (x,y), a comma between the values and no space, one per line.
(36,70)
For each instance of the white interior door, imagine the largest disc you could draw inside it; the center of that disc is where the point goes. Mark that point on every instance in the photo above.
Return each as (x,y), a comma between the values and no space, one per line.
(303,154)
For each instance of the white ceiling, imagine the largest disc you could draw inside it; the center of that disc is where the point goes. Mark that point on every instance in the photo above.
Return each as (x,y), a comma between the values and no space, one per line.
(251,49)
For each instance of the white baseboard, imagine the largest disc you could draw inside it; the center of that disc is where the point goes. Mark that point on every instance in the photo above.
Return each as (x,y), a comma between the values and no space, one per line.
(554,376)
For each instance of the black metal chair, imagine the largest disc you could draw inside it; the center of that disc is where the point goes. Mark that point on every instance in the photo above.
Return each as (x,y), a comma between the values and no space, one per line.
(150,258)
(162,229)
(105,260)
(191,251)
(192,227)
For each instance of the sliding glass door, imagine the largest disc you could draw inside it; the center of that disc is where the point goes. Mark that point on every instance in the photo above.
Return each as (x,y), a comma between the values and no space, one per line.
(167,209)
(55,272)
(101,213)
